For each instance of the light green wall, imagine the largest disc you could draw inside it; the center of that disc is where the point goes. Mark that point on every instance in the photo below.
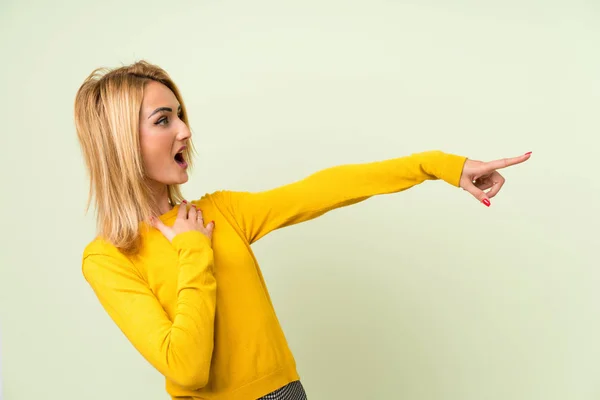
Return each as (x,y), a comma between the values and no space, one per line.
(423,295)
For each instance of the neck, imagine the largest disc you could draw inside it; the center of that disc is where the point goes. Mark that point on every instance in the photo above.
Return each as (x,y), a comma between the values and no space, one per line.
(161,198)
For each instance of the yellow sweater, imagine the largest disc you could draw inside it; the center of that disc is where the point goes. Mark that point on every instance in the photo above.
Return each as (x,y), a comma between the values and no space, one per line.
(203,317)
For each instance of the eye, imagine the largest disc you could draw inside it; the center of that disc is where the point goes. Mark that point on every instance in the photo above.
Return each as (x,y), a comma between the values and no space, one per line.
(165,120)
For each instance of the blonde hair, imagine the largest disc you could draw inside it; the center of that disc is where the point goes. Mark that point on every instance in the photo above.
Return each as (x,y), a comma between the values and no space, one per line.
(107,112)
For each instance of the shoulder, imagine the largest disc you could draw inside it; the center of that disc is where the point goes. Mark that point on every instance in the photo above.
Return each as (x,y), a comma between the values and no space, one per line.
(221,199)
(101,247)
(217,195)
(100,257)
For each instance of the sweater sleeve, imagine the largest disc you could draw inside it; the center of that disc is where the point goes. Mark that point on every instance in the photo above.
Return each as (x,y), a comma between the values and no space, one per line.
(259,213)
(181,349)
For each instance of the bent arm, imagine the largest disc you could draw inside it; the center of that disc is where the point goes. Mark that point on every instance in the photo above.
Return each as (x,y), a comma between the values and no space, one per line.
(181,349)
(260,213)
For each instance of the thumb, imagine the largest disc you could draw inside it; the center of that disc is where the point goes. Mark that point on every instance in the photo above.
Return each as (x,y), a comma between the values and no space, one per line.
(158,224)
(478,194)
(210,227)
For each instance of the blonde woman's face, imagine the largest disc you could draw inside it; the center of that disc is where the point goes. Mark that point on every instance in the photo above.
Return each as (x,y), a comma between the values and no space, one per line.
(163,135)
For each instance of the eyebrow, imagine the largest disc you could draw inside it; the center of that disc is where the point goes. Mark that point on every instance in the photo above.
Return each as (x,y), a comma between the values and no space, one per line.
(159,109)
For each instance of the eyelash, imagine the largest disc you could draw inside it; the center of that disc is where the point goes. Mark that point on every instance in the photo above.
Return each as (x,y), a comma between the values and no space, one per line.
(161,120)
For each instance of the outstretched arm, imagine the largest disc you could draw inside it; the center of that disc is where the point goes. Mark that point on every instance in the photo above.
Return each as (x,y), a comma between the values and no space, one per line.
(257,214)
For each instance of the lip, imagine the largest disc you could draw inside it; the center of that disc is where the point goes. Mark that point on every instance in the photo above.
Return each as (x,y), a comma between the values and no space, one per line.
(183,164)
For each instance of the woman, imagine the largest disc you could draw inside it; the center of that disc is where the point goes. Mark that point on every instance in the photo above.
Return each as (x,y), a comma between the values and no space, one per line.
(180,279)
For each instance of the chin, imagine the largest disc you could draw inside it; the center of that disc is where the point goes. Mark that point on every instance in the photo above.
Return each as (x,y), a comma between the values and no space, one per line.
(172,180)
(183,178)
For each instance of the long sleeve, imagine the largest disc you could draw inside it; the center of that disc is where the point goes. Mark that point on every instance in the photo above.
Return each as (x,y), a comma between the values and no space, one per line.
(259,213)
(180,349)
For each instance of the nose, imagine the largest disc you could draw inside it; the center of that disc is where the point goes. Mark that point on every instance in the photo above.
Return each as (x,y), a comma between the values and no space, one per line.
(184,132)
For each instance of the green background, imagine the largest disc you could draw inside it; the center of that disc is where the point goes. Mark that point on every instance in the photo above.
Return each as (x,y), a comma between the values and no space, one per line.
(423,295)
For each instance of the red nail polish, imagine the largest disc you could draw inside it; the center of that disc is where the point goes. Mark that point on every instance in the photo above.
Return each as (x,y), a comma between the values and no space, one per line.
(528,153)
(486,202)
(184,202)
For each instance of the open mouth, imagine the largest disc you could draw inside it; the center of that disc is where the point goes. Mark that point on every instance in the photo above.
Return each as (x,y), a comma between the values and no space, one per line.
(180,160)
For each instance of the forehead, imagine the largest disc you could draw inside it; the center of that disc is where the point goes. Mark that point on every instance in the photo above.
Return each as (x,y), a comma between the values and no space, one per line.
(157,95)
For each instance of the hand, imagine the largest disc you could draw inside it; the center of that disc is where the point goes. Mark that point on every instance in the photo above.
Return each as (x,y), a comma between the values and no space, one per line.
(477,177)
(186,221)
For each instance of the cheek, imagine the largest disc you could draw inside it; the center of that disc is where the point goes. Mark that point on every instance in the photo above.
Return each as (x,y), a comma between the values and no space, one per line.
(156,149)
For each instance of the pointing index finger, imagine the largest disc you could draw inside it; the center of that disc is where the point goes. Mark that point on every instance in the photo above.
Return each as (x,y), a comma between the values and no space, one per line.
(507,162)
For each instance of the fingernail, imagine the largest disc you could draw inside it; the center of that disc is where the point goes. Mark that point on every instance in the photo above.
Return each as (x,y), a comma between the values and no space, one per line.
(184,202)
(528,153)
(486,202)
